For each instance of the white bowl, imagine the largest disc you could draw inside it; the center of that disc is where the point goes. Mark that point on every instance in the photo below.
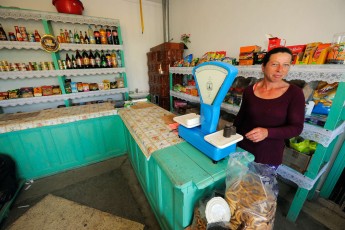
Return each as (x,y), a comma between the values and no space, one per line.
(138,95)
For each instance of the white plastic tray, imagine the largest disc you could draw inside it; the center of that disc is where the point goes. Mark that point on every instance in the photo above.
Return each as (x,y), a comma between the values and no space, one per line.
(189,120)
(218,140)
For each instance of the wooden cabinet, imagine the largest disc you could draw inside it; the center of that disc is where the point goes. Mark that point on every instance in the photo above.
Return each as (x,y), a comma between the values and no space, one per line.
(159,59)
(25,52)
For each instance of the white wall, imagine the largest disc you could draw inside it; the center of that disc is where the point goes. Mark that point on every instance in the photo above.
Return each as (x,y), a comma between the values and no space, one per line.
(136,44)
(228,24)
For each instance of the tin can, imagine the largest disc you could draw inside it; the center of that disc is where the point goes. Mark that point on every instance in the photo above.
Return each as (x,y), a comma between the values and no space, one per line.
(4,63)
(60,64)
(30,67)
(14,67)
(44,65)
(12,37)
(64,66)
(22,67)
(37,66)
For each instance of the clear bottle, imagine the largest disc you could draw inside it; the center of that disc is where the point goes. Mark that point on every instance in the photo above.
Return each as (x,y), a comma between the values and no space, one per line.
(3,36)
(71,36)
(118,56)
(91,35)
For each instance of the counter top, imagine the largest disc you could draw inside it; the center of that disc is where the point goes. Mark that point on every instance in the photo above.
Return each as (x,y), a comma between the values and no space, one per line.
(22,121)
(149,126)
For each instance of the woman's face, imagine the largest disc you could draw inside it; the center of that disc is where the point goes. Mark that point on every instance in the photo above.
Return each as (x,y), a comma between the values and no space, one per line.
(277,67)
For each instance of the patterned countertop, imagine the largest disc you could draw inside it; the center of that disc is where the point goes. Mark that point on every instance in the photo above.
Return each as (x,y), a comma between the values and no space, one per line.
(22,121)
(149,126)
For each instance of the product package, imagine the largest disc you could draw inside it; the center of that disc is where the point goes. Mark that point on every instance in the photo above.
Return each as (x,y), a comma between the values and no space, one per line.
(320,54)
(309,52)
(297,53)
(323,97)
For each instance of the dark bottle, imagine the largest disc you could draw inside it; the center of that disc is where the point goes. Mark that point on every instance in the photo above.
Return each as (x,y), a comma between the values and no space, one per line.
(109,36)
(74,62)
(116,40)
(103,60)
(81,38)
(76,38)
(97,36)
(92,60)
(79,60)
(86,60)
(3,36)
(86,38)
(68,62)
(108,57)
(97,60)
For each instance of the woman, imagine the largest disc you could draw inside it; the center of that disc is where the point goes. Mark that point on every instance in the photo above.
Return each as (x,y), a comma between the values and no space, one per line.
(272,110)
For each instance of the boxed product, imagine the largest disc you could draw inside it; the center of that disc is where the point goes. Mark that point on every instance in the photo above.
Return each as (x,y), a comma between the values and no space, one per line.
(246,56)
(275,42)
(296,160)
(37,92)
(297,53)
(26,92)
(320,54)
(47,90)
(3,95)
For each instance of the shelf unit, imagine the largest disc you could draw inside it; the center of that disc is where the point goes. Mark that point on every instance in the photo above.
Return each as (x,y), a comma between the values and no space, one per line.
(48,20)
(326,136)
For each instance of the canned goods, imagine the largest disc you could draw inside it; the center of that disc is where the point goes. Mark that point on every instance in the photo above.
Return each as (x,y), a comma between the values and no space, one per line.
(22,67)
(14,67)
(64,66)
(30,67)
(60,64)
(4,63)
(2,68)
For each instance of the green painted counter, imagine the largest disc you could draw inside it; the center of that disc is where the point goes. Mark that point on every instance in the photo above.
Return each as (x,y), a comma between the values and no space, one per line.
(48,150)
(174,179)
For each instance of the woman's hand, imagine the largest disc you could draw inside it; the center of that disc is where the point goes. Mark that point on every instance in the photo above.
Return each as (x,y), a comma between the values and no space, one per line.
(257,134)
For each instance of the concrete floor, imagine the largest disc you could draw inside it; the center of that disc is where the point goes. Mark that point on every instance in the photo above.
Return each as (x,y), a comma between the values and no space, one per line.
(112,186)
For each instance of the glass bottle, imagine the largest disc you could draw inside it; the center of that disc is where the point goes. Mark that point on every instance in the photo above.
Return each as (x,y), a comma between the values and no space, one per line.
(37,36)
(91,35)
(18,34)
(97,36)
(108,57)
(113,59)
(103,35)
(62,36)
(71,36)
(86,38)
(68,62)
(97,59)
(115,36)
(109,36)
(3,36)
(92,60)
(119,61)
(76,38)
(67,39)
(86,60)
(103,60)
(81,38)
(74,62)
(79,60)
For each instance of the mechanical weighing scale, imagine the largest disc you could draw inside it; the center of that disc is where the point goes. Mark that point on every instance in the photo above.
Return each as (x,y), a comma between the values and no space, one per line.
(213,80)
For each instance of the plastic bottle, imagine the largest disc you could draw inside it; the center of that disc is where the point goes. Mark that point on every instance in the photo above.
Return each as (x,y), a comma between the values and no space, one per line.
(108,57)
(18,34)
(76,38)
(37,36)
(118,56)
(113,59)
(67,38)
(103,35)
(3,36)
(103,60)
(62,35)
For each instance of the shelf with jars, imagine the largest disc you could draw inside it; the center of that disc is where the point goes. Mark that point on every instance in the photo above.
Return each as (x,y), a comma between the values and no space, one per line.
(50,68)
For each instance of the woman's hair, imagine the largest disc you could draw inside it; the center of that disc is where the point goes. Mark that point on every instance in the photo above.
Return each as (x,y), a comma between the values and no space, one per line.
(274,51)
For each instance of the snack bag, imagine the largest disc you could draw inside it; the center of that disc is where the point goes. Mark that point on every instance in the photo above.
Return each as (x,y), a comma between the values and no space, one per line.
(323,97)
(251,192)
(309,52)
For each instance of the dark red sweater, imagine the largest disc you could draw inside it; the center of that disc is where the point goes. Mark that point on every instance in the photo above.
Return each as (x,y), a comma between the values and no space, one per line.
(282,116)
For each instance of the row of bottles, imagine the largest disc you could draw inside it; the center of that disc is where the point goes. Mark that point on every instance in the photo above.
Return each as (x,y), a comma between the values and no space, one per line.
(91,60)
(20,34)
(102,36)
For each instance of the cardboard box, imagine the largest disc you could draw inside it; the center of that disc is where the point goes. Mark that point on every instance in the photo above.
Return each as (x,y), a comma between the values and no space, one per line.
(247,54)
(250,49)
(296,160)
(297,53)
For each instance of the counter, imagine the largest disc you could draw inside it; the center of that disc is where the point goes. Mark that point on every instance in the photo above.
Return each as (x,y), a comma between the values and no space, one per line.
(51,141)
